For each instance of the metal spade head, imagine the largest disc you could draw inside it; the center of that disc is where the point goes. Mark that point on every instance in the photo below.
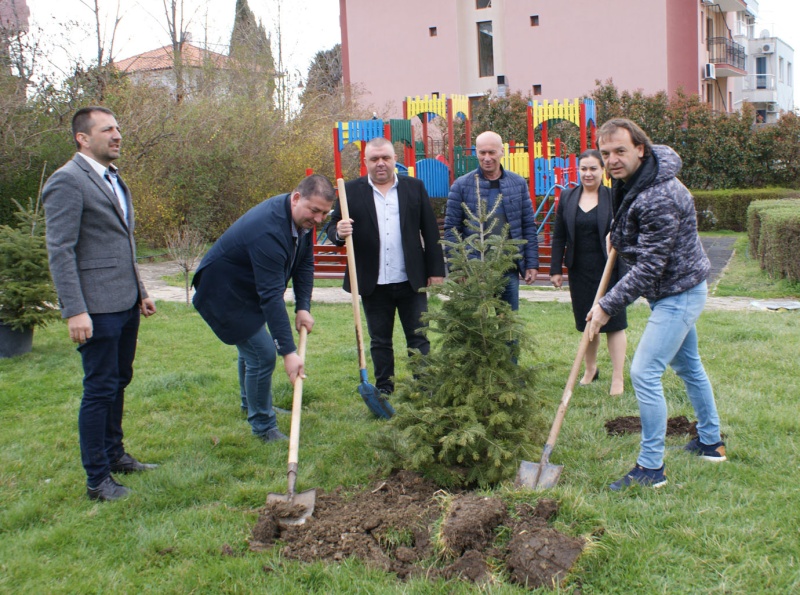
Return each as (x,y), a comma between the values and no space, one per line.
(292,509)
(537,476)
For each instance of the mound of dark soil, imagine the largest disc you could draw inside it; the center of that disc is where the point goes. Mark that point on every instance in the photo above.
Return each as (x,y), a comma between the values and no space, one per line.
(470,523)
(389,527)
(631,424)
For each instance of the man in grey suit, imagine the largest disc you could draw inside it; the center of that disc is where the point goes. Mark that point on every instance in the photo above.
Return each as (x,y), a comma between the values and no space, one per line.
(92,253)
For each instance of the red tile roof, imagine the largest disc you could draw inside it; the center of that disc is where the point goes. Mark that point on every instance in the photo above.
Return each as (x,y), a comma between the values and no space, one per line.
(162,59)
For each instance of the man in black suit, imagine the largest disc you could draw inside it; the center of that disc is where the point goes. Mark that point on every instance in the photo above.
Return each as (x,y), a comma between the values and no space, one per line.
(92,254)
(396,243)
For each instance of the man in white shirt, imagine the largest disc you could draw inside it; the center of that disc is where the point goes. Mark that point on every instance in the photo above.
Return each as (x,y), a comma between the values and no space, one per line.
(397,252)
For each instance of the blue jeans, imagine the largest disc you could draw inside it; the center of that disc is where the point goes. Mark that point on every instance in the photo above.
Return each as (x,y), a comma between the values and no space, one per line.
(242,392)
(510,294)
(107,369)
(670,338)
(259,355)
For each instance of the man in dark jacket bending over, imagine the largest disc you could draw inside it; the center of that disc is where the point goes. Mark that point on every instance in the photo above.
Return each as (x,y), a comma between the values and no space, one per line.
(240,285)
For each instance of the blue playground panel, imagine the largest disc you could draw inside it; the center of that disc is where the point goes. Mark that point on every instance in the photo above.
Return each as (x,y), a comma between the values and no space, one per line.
(359,130)
(436,177)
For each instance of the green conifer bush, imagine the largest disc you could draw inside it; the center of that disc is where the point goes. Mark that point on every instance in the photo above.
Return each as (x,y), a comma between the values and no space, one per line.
(27,296)
(467,415)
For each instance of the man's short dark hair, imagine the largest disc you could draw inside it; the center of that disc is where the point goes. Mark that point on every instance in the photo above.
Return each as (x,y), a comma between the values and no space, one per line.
(316,185)
(378,141)
(638,136)
(82,120)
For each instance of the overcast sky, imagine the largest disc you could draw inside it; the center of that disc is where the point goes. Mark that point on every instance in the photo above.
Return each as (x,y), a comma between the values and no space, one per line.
(307,26)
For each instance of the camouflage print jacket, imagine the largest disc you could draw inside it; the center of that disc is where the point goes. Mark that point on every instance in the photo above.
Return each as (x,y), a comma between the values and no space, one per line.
(655,232)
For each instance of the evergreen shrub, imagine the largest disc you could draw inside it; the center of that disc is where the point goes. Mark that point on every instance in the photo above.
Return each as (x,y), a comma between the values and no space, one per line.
(727,209)
(774,237)
(468,414)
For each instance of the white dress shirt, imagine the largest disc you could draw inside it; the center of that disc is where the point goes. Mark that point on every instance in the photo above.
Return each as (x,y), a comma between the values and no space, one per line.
(113,182)
(391,263)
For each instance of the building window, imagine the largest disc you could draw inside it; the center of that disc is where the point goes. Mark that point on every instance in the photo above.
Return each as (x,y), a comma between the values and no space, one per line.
(432,31)
(789,74)
(485,49)
(780,70)
(534,20)
(761,72)
(537,89)
(483,4)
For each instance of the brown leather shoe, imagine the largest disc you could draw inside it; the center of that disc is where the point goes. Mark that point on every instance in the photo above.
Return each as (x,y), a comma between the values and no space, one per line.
(107,490)
(127,464)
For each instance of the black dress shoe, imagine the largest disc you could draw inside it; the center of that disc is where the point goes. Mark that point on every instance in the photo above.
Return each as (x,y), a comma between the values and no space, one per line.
(273,435)
(127,464)
(107,490)
(595,377)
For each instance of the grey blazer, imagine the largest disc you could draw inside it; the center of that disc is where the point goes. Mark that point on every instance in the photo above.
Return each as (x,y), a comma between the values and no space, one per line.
(90,245)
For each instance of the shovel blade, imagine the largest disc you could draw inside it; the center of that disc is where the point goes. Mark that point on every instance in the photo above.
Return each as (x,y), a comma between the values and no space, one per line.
(537,476)
(375,401)
(299,507)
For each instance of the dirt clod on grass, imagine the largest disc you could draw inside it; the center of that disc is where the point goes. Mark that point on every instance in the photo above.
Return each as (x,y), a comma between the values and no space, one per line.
(632,424)
(388,526)
(470,523)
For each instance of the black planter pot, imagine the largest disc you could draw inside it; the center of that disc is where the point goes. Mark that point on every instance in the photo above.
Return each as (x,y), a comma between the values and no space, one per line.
(13,343)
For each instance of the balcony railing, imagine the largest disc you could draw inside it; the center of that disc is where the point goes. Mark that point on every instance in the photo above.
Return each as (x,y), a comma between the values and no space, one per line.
(722,50)
(756,82)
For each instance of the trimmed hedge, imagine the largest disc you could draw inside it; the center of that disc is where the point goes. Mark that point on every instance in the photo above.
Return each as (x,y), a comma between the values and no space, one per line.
(774,236)
(728,209)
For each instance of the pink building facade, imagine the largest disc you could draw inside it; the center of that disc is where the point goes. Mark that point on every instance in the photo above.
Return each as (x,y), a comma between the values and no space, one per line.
(546,49)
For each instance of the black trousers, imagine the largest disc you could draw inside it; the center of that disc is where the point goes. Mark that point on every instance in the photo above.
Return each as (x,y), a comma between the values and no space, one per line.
(379,308)
(107,370)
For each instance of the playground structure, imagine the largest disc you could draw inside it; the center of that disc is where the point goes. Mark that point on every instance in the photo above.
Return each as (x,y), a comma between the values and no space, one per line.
(544,163)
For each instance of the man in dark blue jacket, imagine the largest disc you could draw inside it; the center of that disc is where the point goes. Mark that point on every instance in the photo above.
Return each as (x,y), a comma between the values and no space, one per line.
(241,282)
(488,182)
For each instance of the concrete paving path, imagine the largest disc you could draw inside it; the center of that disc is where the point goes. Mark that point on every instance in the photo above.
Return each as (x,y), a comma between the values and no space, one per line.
(719,251)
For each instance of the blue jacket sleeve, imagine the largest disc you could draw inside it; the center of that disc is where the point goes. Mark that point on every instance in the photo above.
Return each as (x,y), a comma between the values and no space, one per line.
(269,257)
(303,278)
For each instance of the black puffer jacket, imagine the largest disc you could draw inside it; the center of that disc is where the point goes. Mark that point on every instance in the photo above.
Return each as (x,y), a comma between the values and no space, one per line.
(655,232)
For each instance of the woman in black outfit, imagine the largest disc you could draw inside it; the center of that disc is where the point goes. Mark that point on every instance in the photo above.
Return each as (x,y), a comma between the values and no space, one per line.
(583,219)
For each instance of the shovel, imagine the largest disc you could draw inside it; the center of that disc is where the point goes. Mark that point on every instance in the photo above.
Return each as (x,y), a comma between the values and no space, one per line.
(374,400)
(543,475)
(298,506)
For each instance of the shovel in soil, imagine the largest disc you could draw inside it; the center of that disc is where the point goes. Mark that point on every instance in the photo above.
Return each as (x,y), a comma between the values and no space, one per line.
(372,397)
(543,475)
(292,508)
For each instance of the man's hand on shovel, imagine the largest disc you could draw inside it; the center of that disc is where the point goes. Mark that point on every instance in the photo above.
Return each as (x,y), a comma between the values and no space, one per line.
(595,320)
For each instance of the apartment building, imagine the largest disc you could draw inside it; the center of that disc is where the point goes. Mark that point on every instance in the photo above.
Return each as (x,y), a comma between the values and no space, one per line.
(554,49)
(769,83)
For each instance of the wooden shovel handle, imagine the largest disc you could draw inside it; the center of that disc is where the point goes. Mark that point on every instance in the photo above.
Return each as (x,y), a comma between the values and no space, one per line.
(297,402)
(576,365)
(351,270)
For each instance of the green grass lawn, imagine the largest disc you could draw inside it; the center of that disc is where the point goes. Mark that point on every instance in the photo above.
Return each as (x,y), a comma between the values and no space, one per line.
(745,278)
(728,528)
